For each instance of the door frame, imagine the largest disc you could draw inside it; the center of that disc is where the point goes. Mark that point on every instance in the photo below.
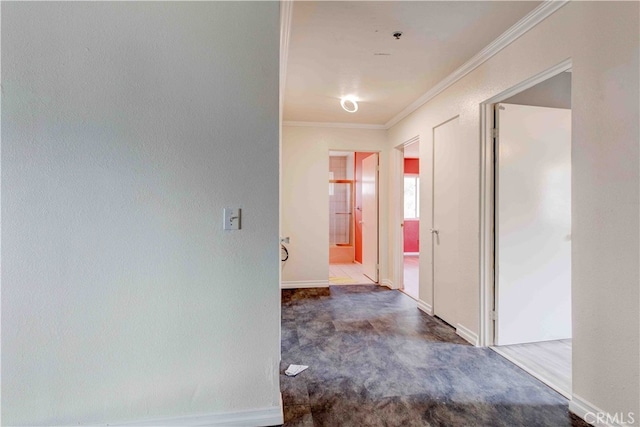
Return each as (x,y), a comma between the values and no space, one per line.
(378,153)
(487,197)
(397,227)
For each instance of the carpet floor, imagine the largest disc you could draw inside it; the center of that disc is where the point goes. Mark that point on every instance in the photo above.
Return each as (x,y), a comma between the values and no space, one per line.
(376,360)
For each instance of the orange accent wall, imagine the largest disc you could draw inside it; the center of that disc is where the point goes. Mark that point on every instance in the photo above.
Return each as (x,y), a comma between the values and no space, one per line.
(358,158)
(411,229)
(412,166)
(411,233)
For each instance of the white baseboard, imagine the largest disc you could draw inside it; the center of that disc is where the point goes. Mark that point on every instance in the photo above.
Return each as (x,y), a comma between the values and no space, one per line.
(599,418)
(411,253)
(426,307)
(388,283)
(305,284)
(252,417)
(467,334)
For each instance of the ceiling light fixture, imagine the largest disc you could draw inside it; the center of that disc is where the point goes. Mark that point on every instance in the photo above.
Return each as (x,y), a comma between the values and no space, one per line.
(349,104)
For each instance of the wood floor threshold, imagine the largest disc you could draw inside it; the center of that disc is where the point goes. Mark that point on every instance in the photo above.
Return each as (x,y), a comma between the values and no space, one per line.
(548,381)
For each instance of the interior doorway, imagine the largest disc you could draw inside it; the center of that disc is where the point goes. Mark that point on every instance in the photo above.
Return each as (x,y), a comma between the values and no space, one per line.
(353,217)
(411,219)
(531,292)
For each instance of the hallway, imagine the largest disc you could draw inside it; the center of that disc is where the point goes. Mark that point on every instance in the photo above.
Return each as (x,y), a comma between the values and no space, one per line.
(374,359)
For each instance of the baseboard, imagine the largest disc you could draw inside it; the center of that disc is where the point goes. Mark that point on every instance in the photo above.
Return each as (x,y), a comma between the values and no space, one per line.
(388,283)
(467,334)
(426,307)
(252,417)
(305,284)
(599,418)
(411,253)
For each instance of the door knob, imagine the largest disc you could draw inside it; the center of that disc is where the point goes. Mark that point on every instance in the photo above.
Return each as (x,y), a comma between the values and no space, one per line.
(434,231)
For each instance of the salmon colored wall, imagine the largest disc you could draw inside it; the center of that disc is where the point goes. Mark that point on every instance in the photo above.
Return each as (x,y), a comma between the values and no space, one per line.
(411,235)
(412,227)
(412,166)
(358,158)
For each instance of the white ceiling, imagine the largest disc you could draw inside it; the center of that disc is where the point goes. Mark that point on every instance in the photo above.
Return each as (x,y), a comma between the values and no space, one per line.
(340,48)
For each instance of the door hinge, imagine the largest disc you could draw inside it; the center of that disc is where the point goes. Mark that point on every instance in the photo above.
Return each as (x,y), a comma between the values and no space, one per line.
(494,315)
(494,132)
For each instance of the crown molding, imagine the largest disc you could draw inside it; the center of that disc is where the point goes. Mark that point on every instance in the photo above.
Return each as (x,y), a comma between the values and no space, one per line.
(334,125)
(547,8)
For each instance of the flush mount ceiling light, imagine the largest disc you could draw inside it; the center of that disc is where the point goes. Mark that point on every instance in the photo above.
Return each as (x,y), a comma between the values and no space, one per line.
(349,104)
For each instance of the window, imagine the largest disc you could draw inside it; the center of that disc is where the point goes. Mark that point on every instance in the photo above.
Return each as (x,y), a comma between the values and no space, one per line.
(411,196)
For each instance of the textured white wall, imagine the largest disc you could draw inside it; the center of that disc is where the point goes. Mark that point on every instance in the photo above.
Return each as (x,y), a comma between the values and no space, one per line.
(554,93)
(602,40)
(305,195)
(126,128)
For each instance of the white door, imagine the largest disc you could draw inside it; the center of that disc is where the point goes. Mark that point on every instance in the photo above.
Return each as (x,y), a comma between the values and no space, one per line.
(533,224)
(370,217)
(446,214)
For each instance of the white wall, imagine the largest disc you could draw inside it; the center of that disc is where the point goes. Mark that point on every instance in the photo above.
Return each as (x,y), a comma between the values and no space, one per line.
(554,93)
(126,128)
(305,197)
(601,38)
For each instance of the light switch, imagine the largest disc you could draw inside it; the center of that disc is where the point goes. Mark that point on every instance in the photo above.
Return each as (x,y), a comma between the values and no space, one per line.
(232,218)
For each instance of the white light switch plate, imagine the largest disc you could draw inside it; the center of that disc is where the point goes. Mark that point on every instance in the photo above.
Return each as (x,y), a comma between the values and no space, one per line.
(232,218)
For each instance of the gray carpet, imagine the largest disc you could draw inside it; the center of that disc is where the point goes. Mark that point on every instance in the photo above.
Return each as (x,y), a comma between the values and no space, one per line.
(376,360)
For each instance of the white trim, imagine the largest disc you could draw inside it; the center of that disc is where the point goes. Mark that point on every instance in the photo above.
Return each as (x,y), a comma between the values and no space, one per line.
(486,196)
(547,380)
(589,412)
(251,417)
(532,19)
(411,253)
(388,283)
(467,334)
(408,142)
(334,125)
(286,16)
(425,306)
(305,284)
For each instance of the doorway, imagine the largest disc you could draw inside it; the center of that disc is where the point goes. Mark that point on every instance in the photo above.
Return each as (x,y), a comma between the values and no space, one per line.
(411,219)
(531,287)
(353,217)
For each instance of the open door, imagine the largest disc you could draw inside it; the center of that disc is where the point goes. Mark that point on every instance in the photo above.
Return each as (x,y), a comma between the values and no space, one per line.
(370,217)
(445,233)
(533,224)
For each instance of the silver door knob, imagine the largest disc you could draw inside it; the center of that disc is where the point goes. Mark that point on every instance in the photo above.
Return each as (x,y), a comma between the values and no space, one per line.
(433,230)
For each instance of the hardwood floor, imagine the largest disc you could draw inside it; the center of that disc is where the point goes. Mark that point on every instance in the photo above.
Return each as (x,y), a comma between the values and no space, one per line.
(376,360)
(549,361)
(411,276)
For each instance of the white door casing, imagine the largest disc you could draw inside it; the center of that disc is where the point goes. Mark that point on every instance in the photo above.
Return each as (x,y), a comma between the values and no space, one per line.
(370,217)
(533,224)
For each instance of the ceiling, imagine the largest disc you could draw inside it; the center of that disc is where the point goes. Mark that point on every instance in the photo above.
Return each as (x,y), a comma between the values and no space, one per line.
(341,48)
